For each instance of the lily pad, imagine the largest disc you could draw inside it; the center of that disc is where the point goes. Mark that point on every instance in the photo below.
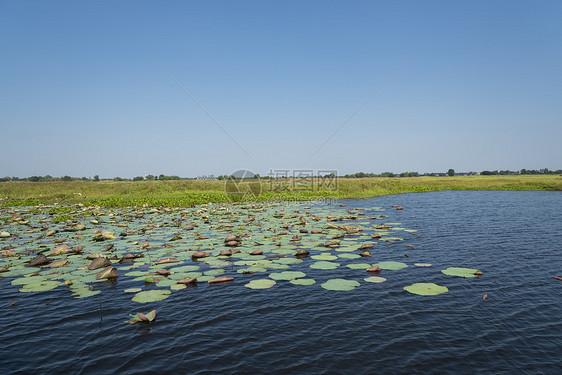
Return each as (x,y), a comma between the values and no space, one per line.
(359,266)
(349,256)
(286,275)
(461,272)
(151,296)
(324,256)
(422,264)
(85,292)
(303,281)
(324,265)
(340,284)
(260,284)
(40,286)
(393,266)
(375,279)
(426,289)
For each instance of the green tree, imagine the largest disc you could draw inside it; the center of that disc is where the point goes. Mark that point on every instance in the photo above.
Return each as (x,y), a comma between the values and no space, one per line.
(96,178)
(451,172)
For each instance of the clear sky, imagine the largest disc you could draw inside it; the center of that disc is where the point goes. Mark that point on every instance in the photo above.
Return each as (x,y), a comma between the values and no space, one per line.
(474,85)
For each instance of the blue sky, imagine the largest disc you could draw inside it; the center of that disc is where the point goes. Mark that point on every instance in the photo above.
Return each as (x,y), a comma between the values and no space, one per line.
(81,91)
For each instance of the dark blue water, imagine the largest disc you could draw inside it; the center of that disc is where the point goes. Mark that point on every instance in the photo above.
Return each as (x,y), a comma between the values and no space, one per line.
(513,237)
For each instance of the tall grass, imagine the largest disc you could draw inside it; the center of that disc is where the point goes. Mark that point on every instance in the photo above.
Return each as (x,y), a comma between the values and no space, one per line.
(191,192)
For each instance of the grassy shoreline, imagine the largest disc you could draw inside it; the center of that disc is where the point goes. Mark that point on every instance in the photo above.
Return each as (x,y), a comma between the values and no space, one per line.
(186,193)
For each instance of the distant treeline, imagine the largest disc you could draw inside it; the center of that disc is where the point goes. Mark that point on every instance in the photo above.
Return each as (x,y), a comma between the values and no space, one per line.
(450,172)
(48,178)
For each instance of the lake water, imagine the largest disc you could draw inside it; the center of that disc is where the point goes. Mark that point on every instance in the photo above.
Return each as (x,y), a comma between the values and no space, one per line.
(513,237)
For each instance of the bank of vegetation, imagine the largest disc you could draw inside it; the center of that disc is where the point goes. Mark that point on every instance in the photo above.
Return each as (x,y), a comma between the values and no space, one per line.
(185,193)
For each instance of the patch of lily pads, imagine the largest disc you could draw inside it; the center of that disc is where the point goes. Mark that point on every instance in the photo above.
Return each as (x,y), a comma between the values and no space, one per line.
(165,249)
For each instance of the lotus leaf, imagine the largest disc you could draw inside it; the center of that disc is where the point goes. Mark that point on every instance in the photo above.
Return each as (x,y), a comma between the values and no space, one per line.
(340,284)
(286,275)
(459,271)
(260,284)
(393,266)
(426,289)
(324,265)
(375,279)
(359,266)
(40,286)
(349,256)
(303,281)
(151,296)
(324,256)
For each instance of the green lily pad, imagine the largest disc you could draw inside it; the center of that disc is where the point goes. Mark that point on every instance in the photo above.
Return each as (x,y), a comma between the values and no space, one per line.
(459,271)
(324,256)
(426,289)
(85,292)
(349,256)
(324,265)
(166,282)
(178,286)
(151,296)
(40,286)
(260,284)
(422,264)
(393,266)
(375,279)
(303,281)
(286,275)
(132,290)
(340,284)
(215,272)
(359,266)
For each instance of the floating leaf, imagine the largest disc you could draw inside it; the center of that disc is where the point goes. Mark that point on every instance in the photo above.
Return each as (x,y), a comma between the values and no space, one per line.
(324,256)
(422,264)
(303,281)
(349,256)
(260,284)
(375,279)
(286,275)
(40,286)
(393,266)
(151,296)
(340,284)
(324,265)
(358,266)
(85,292)
(459,271)
(426,289)
(132,290)
(214,272)
(140,317)
(178,286)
